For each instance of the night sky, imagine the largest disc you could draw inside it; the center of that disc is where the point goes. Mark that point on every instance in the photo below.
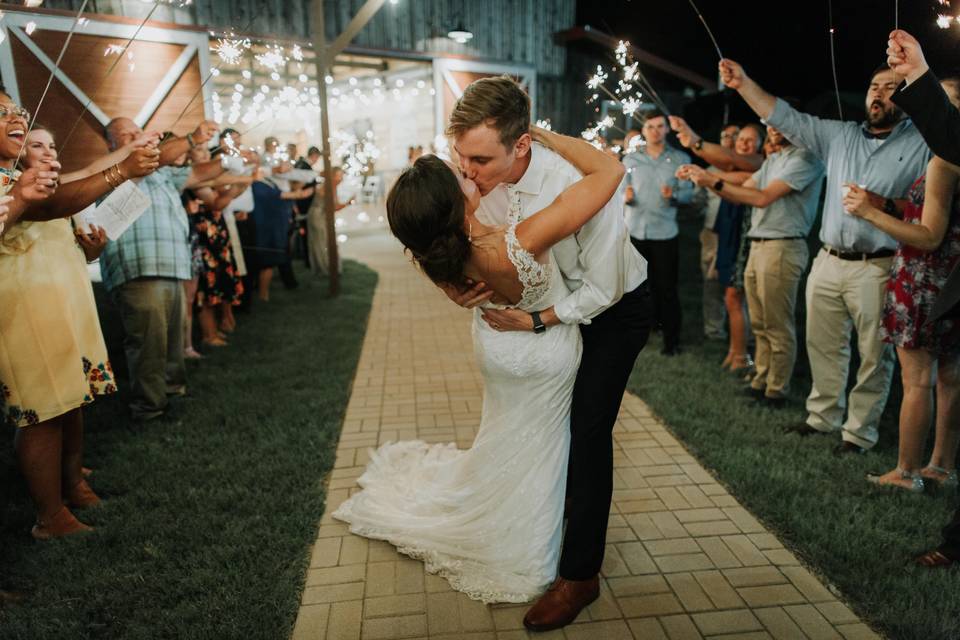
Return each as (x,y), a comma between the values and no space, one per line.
(784,45)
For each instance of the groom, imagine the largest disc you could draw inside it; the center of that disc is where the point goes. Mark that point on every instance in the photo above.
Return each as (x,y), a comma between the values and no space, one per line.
(490,130)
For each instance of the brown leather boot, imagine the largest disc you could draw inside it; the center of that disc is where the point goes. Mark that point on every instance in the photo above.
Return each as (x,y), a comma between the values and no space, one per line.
(561,604)
(62,523)
(80,496)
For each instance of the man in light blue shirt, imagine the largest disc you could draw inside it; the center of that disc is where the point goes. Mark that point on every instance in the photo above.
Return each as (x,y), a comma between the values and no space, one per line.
(886,154)
(784,194)
(652,198)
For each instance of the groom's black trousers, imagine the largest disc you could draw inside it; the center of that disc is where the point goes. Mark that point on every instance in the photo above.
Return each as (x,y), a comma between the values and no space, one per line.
(611,343)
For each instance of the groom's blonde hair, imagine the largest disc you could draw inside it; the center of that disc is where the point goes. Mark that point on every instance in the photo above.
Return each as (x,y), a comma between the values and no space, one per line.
(499,103)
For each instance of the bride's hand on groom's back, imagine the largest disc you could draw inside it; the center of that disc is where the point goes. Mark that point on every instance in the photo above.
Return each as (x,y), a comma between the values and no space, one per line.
(474,295)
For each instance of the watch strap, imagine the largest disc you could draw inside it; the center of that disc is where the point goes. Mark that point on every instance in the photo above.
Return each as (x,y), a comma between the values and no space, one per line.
(538,326)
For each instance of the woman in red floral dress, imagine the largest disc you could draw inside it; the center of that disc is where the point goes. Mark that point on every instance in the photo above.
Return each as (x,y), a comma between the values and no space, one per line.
(929,353)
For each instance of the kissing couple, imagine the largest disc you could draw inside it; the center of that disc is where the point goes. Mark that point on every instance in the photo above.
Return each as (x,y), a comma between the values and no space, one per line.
(528,230)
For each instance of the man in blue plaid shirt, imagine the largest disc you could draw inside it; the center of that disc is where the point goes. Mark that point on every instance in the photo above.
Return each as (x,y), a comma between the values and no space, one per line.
(143,268)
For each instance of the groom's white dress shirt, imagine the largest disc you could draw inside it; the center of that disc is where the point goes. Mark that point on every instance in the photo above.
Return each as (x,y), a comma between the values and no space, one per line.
(598,263)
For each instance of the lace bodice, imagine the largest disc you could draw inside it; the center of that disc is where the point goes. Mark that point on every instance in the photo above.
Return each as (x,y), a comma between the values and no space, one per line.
(541,280)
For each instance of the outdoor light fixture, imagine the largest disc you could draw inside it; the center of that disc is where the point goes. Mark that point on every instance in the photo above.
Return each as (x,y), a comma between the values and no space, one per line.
(460,34)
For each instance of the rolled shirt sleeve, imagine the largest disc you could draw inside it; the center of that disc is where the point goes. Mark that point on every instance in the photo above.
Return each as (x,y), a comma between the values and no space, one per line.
(610,266)
(804,130)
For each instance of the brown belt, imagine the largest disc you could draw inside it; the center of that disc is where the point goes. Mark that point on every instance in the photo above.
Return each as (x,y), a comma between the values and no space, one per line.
(856,255)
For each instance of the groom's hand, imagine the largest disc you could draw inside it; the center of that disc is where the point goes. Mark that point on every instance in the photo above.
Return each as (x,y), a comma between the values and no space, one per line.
(508,320)
(475,295)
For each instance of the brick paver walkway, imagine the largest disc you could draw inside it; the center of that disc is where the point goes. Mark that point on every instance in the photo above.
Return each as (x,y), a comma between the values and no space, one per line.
(684,559)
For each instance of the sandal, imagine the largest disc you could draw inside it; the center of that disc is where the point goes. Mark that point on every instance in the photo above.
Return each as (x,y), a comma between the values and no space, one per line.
(915,480)
(934,560)
(63,523)
(943,478)
(742,364)
(81,496)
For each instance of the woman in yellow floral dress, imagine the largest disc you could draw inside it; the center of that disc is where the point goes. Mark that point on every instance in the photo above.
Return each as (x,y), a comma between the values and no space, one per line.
(52,356)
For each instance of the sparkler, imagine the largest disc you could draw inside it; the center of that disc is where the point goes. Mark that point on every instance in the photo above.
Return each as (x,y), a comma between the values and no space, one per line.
(230,50)
(544,124)
(707,27)
(215,70)
(630,81)
(272,58)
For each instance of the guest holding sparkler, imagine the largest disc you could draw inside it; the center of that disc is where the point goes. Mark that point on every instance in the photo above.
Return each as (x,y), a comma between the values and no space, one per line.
(846,286)
(652,218)
(143,268)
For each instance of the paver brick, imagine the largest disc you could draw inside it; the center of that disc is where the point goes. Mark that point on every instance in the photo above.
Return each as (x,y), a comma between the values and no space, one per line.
(680,628)
(394,605)
(647,629)
(735,621)
(333,593)
(777,594)
(608,630)
(398,627)
(345,620)
(312,622)
(689,592)
(653,605)
(780,625)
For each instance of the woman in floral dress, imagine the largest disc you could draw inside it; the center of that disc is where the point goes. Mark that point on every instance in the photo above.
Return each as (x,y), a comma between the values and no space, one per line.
(53,360)
(929,353)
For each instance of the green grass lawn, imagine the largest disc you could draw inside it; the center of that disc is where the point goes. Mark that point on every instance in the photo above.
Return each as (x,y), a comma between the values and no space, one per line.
(209,516)
(858,537)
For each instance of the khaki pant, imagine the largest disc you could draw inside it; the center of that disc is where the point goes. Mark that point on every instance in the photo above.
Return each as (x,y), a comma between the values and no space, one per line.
(842,294)
(152,313)
(714,311)
(771,281)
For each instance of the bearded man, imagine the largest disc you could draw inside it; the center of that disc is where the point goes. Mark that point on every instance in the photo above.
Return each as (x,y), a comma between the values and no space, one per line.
(885,155)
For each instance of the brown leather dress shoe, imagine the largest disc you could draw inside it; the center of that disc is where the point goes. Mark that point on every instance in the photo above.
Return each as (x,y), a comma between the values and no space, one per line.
(561,604)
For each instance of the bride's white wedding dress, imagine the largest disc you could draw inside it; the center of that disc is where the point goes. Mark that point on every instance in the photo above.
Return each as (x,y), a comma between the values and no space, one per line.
(488,519)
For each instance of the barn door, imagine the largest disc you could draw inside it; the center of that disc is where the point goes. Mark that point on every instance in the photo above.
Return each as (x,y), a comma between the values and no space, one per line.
(159,74)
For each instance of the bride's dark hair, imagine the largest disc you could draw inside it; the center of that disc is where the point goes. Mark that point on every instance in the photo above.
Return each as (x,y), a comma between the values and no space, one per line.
(425,209)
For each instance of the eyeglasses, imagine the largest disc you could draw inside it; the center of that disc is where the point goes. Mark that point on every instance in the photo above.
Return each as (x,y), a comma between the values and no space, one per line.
(15,111)
(724,136)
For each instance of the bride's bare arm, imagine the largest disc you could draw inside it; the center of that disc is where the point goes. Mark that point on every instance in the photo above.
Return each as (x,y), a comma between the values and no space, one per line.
(579,202)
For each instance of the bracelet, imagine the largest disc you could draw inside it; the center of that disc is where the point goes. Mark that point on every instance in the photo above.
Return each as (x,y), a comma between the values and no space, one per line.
(189,137)
(106,177)
(117,175)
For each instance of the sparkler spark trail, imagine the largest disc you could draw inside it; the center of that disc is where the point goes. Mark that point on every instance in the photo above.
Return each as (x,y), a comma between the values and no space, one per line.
(56,66)
(833,59)
(113,66)
(707,27)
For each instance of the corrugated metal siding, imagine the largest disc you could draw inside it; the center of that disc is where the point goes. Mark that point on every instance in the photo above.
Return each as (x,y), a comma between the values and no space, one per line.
(509,30)
(519,31)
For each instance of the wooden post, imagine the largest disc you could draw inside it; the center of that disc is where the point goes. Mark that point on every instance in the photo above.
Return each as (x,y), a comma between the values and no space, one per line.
(324,59)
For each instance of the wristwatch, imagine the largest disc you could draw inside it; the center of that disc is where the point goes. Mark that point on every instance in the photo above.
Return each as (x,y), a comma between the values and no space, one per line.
(698,144)
(538,326)
(718,185)
(890,207)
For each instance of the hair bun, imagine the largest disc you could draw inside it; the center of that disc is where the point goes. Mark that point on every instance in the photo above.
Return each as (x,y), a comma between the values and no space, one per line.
(444,259)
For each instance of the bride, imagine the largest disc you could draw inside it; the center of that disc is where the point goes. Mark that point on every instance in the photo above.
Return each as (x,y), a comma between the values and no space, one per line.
(489,518)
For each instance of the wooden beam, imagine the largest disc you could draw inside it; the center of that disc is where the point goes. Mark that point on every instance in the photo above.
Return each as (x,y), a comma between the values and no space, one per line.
(329,190)
(367,11)
(641,55)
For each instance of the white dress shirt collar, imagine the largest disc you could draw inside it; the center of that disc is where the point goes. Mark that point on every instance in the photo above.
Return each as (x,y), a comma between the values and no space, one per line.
(531,182)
